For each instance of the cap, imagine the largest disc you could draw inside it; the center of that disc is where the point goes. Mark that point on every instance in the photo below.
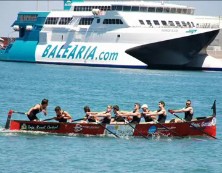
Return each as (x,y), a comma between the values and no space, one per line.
(144,106)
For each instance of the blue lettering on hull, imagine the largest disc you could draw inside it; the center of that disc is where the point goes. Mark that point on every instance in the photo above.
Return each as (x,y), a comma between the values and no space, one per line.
(78,52)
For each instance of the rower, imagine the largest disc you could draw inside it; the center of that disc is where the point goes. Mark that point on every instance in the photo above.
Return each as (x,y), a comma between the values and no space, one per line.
(106,115)
(135,114)
(61,115)
(31,114)
(188,111)
(161,112)
(90,116)
(145,113)
(118,115)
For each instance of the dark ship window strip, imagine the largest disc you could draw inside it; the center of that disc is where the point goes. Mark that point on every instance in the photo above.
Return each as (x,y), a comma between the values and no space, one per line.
(136,9)
(112,21)
(90,8)
(65,20)
(51,20)
(85,21)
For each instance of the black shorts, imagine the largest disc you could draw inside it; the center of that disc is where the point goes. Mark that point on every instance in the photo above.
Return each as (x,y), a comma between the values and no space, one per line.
(90,120)
(32,117)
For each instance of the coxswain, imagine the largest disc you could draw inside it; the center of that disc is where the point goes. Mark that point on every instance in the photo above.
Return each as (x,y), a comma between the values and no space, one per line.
(31,114)
(161,113)
(188,112)
(61,115)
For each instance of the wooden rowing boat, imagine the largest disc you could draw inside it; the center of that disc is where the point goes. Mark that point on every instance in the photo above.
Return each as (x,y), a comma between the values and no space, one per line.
(197,127)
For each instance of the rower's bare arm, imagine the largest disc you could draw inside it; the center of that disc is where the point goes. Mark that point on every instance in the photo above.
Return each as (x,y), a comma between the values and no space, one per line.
(68,116)
(156,113)
(103,114)
(124,114)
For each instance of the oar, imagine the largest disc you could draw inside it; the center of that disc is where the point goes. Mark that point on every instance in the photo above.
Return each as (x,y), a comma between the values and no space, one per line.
(108,130)
(195,127)
(128,123)
(20,112)
(8,119)
(77,119)
(167,128)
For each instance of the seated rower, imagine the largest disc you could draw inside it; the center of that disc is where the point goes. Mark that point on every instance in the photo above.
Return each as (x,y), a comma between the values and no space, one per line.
(62,116)
(106,116)
(161,112)
(188,111)
(90,116)
(37,109)
(145,113)
(135,114)
(118,115)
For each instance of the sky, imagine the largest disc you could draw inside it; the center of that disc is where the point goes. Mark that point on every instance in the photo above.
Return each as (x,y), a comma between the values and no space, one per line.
(9,10)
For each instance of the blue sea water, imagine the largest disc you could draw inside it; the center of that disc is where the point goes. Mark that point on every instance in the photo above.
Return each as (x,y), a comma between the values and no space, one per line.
(23,85)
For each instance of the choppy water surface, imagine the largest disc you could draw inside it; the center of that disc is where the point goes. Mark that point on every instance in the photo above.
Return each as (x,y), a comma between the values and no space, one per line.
(23,85)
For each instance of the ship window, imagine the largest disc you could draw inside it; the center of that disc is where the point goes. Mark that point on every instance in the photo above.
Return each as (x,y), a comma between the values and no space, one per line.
(65,20)
(105,21)
(126,8)
(156,22)
(173,10)
(188,23)
(166,10)
(149,22)
(164,23)
(119,7)
(179,10)
(107,8)
(112,21)
(159,9)
(141,22)
(98,20)
(184,11)
(118,21)
(184,24)
(114,7)
(178,23)
(85,21)
(51,20)
(83,8)
(135,8)
(171,23)
(28,17)
(192,24)
(151,9)
(143,9)
(102,8)
(188,11)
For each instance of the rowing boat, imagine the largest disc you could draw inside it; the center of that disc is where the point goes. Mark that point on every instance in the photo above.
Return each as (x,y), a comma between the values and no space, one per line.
(200,126)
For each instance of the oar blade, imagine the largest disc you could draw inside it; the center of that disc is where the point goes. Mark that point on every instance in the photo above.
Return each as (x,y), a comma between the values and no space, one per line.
(7,124)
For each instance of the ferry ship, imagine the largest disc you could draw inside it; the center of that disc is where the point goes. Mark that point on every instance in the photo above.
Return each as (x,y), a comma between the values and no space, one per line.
(132,34)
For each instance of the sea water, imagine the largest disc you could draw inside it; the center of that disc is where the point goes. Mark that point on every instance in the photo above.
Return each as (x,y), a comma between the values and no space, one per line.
(23,85)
